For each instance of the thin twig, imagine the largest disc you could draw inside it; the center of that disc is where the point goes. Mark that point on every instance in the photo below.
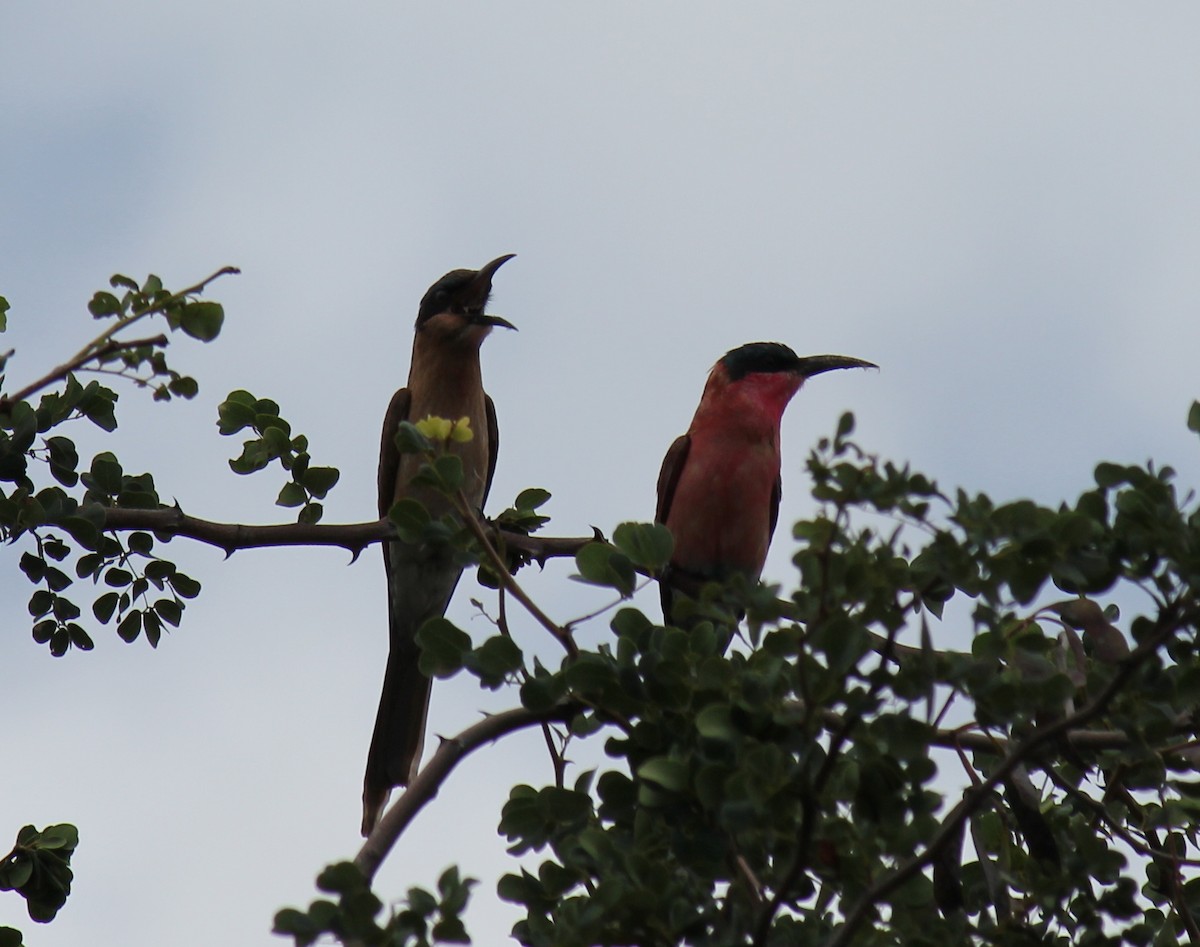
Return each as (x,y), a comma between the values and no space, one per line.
(505,577)
(104,344)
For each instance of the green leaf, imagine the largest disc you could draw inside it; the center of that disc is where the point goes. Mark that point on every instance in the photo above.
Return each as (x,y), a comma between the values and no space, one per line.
(665,773)
(715,722)
(97,405)
(63,835)
(184,586)
(320,480)
(169,611)
(130,626)
(202,320)
(494,660)
(291,495)
(1111,475)
(33,566)
(79,638)
(601,564)
(311,513)
(104,304)
(106,473)
(141,543)
(411,519)
(443,647)
(184,386)
(236,412)
(152,626)
(531,499)
(1193,421)
(648,545)
(104,607)
(449,469)
(411,441)
(276,439)
(63,460)
(118,578)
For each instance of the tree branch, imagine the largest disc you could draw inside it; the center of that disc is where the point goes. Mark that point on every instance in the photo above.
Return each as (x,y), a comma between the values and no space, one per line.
(87,351)
(510,585)
(232,537)
(58,374)
(424,787)
(104,344)
(355,537)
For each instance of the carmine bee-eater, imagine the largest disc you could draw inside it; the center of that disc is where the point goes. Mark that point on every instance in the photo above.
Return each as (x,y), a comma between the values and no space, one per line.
(444,380)
(720,485)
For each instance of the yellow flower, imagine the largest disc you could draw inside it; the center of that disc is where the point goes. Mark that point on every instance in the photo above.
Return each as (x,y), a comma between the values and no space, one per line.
(441,430)
(461,431)
(436,429)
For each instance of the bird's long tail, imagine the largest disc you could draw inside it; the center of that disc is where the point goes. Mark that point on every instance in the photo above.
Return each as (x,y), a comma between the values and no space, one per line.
(419,589)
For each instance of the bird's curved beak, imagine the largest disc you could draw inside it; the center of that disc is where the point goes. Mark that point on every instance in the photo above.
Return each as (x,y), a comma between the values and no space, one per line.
(483,280)
(810,365)
(488,270)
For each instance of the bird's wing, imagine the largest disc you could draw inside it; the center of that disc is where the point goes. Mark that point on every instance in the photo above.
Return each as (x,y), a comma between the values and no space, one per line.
(776,496)
(493,433)
(389,456)
(668,477)
(389,459)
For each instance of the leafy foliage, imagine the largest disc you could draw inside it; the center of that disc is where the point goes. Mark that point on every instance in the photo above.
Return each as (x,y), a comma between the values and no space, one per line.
(821,773)
(39,869)
(59,504)
(308,485)
(427,918)
(797,787)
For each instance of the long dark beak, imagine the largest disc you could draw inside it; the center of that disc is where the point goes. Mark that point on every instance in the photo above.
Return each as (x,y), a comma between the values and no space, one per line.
(488,270)
(811,365)
(483,280)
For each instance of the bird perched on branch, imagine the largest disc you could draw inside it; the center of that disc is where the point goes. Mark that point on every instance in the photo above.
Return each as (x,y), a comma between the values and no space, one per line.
(444,380)
(720,485)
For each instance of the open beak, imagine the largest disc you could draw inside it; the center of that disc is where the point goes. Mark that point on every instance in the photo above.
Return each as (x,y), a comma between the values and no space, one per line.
(483,282)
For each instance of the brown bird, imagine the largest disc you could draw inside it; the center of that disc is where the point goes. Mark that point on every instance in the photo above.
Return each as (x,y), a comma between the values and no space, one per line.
(720,484)
(444,380)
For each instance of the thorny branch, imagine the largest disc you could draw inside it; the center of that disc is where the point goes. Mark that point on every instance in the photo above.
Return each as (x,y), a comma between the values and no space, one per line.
(429,780)
(510,585)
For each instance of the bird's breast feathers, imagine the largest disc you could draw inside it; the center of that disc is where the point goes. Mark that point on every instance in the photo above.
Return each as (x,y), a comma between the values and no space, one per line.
(720,515)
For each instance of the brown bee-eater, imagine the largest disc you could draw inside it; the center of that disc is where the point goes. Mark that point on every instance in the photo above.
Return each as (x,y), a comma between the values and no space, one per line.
(444,380)
(720,485)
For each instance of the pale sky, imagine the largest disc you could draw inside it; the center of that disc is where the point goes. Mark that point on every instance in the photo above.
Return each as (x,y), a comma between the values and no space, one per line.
(999,203)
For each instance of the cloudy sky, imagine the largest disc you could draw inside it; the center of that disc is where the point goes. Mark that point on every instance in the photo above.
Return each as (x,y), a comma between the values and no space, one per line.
(998,203)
